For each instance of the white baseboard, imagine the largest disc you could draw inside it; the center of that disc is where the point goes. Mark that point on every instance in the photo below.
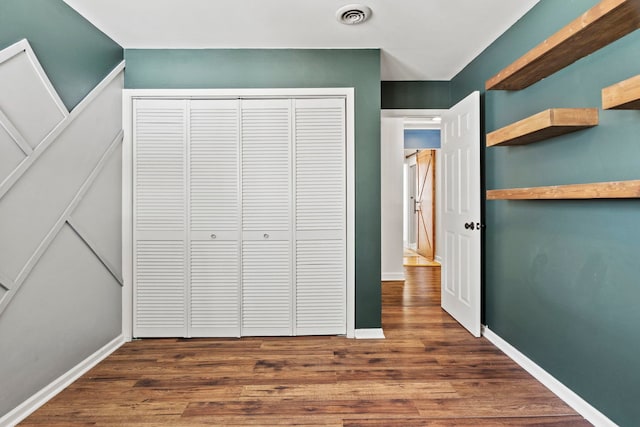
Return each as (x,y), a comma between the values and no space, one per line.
(580,405)
(392,277)
(30,405)
(370,334)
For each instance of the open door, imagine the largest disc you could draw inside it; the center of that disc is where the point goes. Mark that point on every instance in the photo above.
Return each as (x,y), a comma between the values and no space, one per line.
(460,212)
(425,203)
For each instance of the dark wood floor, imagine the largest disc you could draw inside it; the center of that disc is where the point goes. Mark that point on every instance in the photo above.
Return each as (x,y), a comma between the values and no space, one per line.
(428,372)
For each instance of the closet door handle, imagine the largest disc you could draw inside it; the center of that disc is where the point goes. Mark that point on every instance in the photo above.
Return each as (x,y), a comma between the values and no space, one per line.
(266,236)
(213,236)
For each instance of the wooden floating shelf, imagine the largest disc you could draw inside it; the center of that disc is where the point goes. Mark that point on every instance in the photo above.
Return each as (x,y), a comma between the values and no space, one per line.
(600,190)
(604,23)
(544,125)
(622,96)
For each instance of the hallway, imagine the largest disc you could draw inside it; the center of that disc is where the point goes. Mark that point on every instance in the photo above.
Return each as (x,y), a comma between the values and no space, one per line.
(428,371)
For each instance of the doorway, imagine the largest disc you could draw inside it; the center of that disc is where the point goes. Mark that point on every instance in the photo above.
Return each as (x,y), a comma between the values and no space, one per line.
(409,189)
(457,202)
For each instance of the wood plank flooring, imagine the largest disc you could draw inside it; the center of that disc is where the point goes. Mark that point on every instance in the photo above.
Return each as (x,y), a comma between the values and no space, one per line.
(413,259)
(428,372)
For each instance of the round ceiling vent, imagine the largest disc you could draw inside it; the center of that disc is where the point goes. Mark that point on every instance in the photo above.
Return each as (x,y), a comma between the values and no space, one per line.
(353,14)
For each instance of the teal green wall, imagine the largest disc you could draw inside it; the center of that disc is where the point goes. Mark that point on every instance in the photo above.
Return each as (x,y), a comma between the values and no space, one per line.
(74,54)
(562,278)
(416,94)
(251,68)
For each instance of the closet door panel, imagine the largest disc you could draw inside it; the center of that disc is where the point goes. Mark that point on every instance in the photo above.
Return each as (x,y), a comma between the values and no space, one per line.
(320,165)
(159,176)
(160,288)
(266,288)
(160,252)
(266,218)
(215,289)
(214,308)
(320,283)
(213,156)
(266,186)
(320,216)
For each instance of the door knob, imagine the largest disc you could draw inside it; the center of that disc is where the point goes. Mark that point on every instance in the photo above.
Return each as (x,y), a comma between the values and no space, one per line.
(469,226)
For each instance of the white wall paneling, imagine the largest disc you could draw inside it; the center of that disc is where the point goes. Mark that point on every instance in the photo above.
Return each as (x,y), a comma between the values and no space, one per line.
(255,233)
(60,195)
(38,205)
(28,93)
(49,96)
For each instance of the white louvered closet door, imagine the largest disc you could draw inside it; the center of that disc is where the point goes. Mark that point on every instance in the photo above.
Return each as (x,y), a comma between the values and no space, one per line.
(159,216)
(214,309)
(266,217)
(320,216)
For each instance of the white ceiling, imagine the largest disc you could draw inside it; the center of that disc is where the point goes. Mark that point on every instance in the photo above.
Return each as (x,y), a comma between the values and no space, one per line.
(419,39)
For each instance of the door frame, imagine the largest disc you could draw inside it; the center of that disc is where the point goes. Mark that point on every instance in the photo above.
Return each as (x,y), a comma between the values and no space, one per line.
(413,113)
(128,95)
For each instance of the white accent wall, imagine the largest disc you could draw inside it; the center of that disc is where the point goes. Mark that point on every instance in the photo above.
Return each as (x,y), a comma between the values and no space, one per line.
(60,225)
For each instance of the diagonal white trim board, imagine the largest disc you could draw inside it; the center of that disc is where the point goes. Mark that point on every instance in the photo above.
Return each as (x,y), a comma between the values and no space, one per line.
(580,405)
(24,46)
(15,134)
(94,248)
(30,405)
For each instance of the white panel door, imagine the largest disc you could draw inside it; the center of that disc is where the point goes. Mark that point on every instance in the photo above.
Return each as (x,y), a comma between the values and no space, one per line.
(461,279)
(267,298)
(159,216)
(214,218)
(320,215)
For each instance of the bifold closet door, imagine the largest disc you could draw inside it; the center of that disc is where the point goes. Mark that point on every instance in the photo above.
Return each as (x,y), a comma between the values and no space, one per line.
(266,217)
(320,216)
(159,217)
(214,218)
(239,217)
(186,218)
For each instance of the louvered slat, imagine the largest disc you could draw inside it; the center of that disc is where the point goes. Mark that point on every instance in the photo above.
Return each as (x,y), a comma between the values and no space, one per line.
(319,165)
(160,289)
(266,135)
(215,289)
(213,160)
(320,287)
(159,175)
(266,288)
